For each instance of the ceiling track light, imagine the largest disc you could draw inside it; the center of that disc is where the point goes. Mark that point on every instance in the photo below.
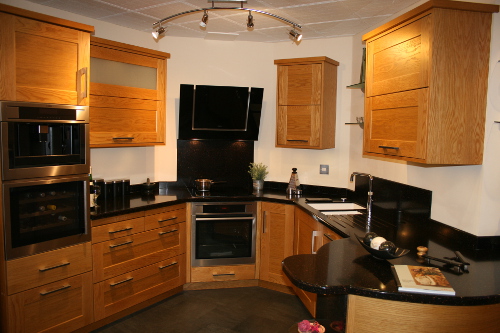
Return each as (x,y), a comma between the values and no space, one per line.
(250,23)
(295,35)
(204,19)
(158,32)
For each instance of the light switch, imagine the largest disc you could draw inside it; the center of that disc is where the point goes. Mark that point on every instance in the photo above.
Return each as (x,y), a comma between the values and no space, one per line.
(324,169)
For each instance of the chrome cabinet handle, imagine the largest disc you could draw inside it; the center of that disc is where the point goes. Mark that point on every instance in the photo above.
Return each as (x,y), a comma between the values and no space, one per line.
(224,274)
(55,290)
(169,265)
(314,234)
(126,229)
(298,140)
(264,223)
(52,267)
(169,219)
(167,232)
(120,282)
(389,147)
(124,138)
(121,244)
(328,236)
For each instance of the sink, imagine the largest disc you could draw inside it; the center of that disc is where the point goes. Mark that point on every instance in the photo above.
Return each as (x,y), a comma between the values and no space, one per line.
(337,208)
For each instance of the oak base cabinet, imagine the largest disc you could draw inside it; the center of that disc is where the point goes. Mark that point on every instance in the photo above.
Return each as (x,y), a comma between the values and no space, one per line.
(222,273)
(61,306)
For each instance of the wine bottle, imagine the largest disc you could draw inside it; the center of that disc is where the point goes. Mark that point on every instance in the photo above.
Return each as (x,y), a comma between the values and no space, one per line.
(51,207)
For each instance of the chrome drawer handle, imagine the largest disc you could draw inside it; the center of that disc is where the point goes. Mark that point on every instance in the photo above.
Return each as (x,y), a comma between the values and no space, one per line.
(121,244)
(167,232)
(169,219)
(389,147)
(123,281)
(124,138)
(172,264)
(328,236)
(56,266)
(298,140)
(55,290)
(126,229)
(223,274)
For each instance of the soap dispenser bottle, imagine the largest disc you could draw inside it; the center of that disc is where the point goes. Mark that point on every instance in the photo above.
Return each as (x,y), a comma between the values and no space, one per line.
(294,184)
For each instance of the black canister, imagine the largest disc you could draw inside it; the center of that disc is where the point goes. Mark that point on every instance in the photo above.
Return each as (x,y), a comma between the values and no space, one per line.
(108,192)
(117,188)
(126,186)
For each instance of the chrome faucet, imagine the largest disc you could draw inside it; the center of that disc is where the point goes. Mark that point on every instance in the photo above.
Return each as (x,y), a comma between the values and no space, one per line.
(370,190)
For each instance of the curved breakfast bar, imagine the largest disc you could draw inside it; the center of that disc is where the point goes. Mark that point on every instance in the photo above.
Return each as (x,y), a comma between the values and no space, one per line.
(357,292)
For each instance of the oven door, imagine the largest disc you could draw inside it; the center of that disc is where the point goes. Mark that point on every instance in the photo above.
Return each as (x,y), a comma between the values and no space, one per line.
(45,214)
(223,240)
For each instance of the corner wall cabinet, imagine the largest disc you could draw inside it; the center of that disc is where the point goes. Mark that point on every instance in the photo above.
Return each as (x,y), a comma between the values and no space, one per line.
(128,89)
(43,58)
(305,114)
(426,84)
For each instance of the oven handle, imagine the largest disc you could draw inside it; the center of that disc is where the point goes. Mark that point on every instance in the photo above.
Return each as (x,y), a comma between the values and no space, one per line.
(222,218)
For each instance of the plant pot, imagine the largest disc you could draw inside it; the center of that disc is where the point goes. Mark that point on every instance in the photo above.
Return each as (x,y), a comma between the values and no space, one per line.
(258,184)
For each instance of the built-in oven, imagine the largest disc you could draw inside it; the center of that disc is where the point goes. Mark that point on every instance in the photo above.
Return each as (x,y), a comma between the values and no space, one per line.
(43,140)
(223,233)
(43,214)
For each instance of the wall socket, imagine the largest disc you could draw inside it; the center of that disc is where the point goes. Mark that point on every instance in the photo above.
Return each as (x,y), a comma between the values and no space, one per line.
(324,169)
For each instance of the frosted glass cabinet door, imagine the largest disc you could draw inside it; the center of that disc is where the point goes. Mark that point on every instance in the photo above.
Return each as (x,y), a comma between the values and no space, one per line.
(127,86)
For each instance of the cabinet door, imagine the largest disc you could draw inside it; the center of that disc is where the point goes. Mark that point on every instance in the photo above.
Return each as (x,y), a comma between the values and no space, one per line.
(299,126)
(276,241)
(61,306)
(128,95)
(396,124)
(399,60)
(300,84)
(43,62)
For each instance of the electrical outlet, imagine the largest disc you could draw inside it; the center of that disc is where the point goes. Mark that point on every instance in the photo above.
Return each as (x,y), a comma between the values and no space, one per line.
(324,169)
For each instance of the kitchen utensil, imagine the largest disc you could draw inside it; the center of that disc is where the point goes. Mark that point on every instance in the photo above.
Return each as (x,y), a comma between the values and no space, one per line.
(148,187)
(203,184)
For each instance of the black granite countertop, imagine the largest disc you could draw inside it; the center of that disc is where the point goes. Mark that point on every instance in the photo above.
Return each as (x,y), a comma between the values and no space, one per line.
(344,266)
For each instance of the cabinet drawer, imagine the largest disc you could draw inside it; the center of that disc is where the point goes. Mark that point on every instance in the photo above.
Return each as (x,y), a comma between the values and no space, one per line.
(118,293)
(165,218)
(61,306)
(47,267)
(116,230)
(222,273)
(118,256)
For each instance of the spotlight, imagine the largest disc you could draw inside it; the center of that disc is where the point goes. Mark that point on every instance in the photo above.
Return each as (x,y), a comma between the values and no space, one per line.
(159,32)
(295,35)
(204,19)
(250,20)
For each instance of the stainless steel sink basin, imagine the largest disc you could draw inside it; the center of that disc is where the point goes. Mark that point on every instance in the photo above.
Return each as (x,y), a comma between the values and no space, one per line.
(337,208)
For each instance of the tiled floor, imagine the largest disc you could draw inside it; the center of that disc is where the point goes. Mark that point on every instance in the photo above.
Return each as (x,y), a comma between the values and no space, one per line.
(236,310)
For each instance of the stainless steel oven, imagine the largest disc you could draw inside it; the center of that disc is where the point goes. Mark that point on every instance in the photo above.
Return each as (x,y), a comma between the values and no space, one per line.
(223,233)
(43,140)
(43,214)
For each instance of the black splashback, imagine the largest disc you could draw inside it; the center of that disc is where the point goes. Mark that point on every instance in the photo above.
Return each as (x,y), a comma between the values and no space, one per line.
(394,200)
(222,161)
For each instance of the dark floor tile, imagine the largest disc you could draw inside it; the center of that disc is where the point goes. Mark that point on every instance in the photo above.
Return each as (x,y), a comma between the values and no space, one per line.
(235,310)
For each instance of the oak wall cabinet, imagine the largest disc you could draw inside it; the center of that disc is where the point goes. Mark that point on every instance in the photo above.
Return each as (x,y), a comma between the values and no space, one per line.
(305,114)
(128,89)
(43,58)
(426,84)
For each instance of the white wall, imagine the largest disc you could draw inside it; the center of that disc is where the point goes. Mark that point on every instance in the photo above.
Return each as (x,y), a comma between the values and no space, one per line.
(465,197)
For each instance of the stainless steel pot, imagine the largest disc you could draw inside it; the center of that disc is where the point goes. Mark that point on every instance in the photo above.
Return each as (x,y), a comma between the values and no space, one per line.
(204,184)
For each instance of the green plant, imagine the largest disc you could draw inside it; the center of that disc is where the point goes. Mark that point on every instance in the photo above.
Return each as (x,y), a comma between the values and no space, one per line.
(258,171)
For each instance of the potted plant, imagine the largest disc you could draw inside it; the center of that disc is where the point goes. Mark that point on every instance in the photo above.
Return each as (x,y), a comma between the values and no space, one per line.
(258,171)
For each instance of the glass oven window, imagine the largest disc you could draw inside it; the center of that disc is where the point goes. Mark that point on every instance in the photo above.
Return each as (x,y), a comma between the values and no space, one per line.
(224,238)
(40,213)
(34,144)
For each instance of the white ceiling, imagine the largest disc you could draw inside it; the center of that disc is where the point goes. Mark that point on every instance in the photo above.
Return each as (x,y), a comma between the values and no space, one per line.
(319,19)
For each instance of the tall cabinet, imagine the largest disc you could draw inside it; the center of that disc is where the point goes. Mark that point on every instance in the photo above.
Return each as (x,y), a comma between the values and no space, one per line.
(43,58)
(306,103)
(426,84)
